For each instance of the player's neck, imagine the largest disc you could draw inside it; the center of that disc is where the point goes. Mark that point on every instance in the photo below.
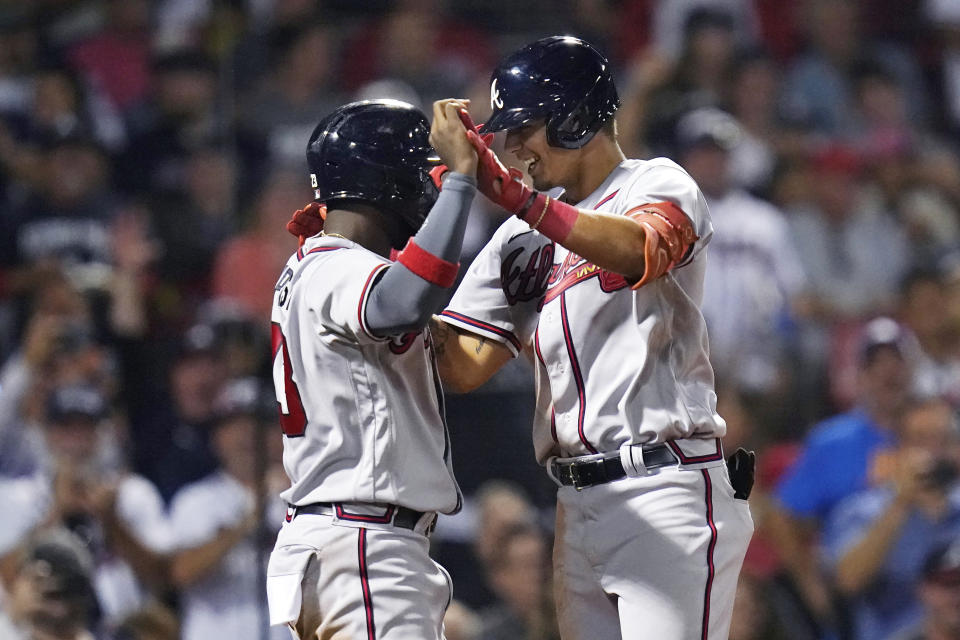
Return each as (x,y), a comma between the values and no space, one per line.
(597,160)
(360,224)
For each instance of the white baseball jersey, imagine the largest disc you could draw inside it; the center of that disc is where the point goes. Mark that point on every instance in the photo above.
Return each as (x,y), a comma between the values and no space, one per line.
(362,415)
(614,365)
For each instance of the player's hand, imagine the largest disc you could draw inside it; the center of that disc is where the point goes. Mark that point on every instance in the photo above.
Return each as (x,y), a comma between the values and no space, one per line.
(504,187)
(438,173)
(449,137)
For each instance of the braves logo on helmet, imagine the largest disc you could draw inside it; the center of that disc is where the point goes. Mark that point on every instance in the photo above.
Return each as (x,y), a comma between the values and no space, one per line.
(495,101)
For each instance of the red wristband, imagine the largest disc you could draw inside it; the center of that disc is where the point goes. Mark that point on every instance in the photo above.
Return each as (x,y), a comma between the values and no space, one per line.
(550,217)
(428,266)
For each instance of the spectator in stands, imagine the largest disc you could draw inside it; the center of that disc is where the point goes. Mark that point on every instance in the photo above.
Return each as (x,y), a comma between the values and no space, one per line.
(939,592)
(286,105)
(58,347)
(944,17)
(418,43)
(753,98)
(51,596)
(182,116)
(819,91)
(66,219)
(116,59)
(849,275)
(119,515)
(153,622)
(171,407)
(461,623)
(191,224)
(519,574)
(753,614)
(837,458)
(219,524)
(501,506)
(673,20)
(755,281)
(912,171)
(937,370)
(248,263)
(243,341)
(876,539)
(698,78)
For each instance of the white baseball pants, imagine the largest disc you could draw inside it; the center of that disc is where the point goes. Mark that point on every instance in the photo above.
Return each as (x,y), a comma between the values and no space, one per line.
(653,557)
(336,580)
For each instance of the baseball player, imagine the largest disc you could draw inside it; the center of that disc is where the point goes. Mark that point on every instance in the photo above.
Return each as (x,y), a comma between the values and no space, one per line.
(365,443)
(602,286)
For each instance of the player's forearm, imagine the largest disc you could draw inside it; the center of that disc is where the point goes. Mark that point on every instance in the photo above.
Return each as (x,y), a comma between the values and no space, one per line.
(403,300)
(858,566)
(189,565)
(465,361)
(614,243)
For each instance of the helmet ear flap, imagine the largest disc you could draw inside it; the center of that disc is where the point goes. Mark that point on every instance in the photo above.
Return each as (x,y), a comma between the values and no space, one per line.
(572,132)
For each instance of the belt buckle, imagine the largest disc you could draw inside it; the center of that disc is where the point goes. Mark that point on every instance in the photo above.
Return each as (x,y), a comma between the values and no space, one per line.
(575,476)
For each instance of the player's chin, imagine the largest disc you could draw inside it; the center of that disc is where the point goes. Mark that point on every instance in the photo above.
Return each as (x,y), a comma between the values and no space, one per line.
(542,184)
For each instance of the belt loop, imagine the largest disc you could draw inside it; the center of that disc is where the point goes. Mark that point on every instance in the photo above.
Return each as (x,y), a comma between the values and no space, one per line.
(631,457)
(551,471)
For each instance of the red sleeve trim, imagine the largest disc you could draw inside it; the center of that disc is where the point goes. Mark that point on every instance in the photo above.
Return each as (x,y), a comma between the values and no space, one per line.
(431,268)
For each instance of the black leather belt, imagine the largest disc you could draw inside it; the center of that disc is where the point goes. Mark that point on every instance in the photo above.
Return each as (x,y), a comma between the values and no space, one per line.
(587,472)
(402,516)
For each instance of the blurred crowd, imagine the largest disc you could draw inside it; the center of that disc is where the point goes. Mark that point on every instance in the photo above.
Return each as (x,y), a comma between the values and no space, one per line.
(151,152)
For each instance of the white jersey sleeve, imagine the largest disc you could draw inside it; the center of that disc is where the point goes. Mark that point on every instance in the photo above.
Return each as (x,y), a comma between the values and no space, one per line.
(348,278)
(662,180)
(502,293)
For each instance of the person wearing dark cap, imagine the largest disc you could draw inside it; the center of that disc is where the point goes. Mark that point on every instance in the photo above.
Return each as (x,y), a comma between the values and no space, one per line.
(52,595)
(217,521)
(181,117)
(170,405)
(119,515)
(755,281)
(837,455)
(64,218)
(939,593)
(875,540)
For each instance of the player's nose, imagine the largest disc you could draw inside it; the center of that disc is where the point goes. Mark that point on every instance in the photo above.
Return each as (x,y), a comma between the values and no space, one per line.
(513,142)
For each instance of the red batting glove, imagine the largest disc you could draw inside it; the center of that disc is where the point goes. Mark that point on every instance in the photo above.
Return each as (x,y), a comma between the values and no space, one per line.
(550,217)
(504,187)
(308,221)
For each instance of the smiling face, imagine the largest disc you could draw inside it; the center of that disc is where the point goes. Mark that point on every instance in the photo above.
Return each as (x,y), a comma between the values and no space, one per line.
(547,166)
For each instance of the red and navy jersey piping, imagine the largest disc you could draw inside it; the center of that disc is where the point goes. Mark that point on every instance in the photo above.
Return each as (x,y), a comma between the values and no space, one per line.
(577,374)
(685,459)
(711,569)
(486,326)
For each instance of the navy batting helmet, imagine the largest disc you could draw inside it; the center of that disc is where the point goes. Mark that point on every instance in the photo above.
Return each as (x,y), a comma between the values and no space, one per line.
(561,79)
(377,152)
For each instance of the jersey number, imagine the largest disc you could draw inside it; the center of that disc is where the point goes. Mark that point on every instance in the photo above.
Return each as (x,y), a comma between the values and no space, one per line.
(293,419)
